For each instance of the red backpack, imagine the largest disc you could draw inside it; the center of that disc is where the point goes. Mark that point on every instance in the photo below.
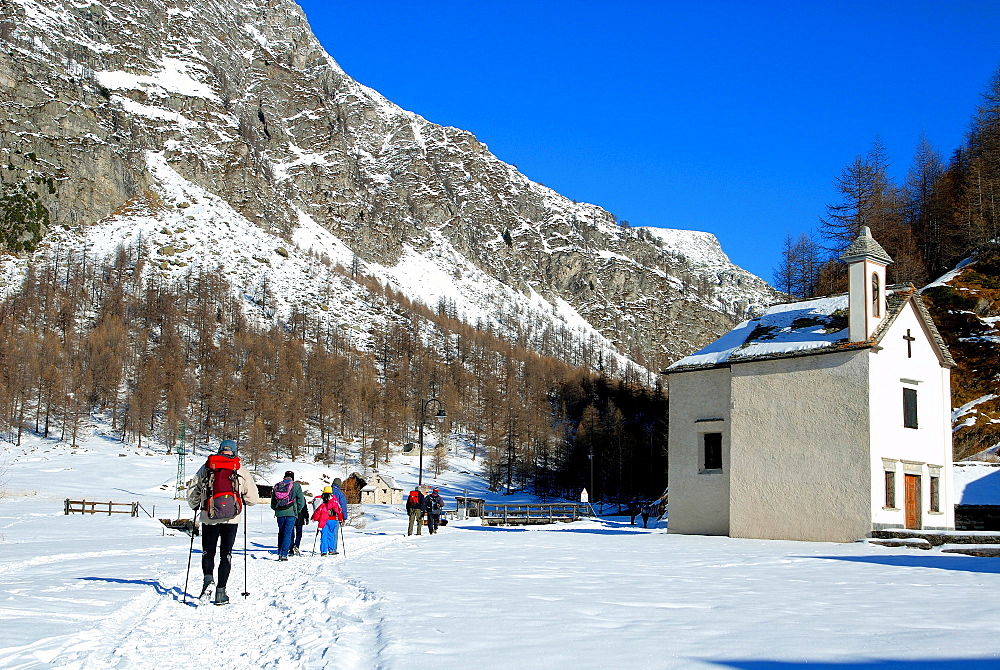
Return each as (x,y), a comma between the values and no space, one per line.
(222,486)
(414,500)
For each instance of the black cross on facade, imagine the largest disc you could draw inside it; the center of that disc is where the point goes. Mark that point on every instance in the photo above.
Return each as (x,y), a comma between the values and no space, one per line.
(909,343)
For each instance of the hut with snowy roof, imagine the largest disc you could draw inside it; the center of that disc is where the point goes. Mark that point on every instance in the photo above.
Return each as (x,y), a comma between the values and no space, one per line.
(822,420)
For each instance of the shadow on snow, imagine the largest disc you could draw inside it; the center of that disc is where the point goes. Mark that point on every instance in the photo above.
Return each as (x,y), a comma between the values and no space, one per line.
(873,664)
(174,592)
(610,528)
(937,561)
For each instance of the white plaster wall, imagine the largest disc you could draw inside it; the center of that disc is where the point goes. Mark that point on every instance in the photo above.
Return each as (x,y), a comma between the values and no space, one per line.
(930,442)
(800,448)
(699,502)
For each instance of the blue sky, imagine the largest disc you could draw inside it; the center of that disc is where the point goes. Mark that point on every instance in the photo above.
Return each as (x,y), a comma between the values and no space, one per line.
(729,117)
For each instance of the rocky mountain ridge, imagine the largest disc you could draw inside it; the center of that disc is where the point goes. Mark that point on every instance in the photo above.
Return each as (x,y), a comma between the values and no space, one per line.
(102,99)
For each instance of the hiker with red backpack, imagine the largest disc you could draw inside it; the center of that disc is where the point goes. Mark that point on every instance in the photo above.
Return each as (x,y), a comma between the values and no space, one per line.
(220,490)
(415,508)
(286,501)
(327,514)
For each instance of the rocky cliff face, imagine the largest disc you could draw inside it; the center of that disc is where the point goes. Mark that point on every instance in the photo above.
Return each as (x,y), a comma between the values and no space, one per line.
(240,99)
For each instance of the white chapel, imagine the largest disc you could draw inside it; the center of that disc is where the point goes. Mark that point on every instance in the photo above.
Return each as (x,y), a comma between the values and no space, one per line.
(822,420)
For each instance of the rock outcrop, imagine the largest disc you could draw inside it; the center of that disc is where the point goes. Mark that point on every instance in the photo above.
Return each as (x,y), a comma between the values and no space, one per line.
(242,100)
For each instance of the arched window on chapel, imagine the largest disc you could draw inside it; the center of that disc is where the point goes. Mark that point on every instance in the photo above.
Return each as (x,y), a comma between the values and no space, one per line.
(876,288)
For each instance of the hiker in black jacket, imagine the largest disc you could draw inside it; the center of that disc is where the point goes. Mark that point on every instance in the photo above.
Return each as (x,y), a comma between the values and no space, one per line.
(433,506)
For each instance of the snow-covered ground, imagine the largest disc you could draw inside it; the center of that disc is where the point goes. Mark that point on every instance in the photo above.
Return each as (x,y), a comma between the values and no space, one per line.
(106,591)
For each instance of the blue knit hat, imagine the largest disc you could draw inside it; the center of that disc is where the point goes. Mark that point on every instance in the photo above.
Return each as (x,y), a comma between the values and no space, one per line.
(228,445)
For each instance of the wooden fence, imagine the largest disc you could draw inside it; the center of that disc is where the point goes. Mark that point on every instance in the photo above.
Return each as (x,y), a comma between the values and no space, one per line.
(534,513)
(95,507)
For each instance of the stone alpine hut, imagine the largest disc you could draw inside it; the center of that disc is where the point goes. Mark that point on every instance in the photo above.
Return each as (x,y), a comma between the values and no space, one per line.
(382,490)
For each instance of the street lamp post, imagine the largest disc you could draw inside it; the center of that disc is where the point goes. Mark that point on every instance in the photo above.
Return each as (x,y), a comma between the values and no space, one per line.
(591,457)
(440,416)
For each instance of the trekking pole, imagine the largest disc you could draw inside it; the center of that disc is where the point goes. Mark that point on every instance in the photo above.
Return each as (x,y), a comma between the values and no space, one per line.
(187,575)
(246,591)
(343,543)
(315,537)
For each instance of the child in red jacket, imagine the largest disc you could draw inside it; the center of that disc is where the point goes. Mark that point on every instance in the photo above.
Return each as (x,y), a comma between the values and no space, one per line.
(328,515)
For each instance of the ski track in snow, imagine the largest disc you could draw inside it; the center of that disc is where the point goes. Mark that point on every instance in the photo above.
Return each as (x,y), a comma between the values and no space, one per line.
(306,615)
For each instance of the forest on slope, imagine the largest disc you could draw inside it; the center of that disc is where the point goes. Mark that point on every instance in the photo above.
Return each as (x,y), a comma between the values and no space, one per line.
(157,357)
(942,214)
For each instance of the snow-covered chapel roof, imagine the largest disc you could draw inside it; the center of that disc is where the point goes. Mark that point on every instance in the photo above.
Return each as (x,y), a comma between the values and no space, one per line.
(807,327)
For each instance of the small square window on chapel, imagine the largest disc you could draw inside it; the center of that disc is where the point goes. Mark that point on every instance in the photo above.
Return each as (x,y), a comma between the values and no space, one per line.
(910,408)
(712,451)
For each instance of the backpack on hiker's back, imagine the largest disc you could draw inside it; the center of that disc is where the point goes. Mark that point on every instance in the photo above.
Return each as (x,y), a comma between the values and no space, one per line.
(324,510)
(221,487)
(284,494)
(415,500)
(433,503)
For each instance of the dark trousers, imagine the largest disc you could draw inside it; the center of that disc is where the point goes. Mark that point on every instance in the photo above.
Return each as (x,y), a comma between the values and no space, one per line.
(297,540)
(211,533)
(433,520)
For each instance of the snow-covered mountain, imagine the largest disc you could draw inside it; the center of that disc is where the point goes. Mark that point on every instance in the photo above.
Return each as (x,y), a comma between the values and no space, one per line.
(224,134)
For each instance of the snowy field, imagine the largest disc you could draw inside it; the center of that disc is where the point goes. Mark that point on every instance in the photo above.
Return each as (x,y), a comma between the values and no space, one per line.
(106,591)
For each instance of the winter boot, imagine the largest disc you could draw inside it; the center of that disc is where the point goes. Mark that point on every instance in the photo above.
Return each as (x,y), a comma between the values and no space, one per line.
(220,596)
(206,585)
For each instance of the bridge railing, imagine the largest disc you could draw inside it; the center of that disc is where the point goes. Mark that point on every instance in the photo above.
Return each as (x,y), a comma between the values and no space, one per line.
(496,514)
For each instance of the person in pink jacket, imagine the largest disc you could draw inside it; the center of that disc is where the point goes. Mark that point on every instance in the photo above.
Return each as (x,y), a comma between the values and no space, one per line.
(328,515)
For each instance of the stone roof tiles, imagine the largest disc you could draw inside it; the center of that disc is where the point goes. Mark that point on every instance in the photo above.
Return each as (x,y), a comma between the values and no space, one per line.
(864,245)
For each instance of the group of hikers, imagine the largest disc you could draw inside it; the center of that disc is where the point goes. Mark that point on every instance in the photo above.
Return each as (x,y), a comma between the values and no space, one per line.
(222,488)
(419,505)
(646,510)
(292,513)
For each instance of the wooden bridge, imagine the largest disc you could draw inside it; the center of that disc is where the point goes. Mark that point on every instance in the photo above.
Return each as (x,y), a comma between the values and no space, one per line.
(531,513)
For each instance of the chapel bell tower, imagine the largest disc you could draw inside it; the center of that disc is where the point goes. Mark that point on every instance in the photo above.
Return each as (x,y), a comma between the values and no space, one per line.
(866,262)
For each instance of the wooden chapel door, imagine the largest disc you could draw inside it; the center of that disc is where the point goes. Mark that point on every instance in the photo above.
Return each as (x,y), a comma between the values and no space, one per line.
(912,501)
